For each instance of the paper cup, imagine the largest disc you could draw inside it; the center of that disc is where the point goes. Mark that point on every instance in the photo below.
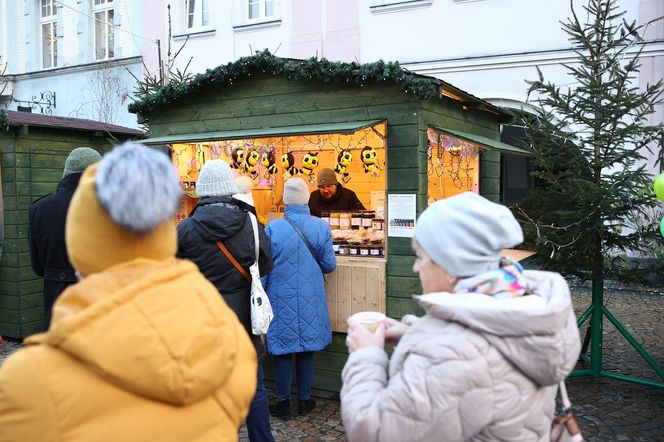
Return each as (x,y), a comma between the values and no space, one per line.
(369,320)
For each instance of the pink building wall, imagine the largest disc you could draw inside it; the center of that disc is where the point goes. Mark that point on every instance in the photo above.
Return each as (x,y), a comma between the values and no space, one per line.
(326,28)
(307,37)
(342,42)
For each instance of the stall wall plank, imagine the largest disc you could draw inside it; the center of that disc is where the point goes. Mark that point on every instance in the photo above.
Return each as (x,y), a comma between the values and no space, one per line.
(331,295)
(358,289)
(344,300)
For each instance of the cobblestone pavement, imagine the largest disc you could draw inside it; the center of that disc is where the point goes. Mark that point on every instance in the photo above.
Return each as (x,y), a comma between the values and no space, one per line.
(607,410)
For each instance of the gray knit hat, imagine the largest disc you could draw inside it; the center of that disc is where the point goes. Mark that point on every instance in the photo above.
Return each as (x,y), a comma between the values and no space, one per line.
(216,179)
(326,176)
(465,233)
(79,159)
(296,192)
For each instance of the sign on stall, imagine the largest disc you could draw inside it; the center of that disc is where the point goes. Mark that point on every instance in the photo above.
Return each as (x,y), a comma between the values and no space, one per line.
(402,212)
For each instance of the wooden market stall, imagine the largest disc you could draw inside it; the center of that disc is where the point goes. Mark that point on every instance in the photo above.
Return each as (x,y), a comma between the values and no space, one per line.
(399,140)
(33,150)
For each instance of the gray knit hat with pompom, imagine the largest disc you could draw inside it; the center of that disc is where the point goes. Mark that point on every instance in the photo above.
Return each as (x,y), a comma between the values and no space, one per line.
(138,187)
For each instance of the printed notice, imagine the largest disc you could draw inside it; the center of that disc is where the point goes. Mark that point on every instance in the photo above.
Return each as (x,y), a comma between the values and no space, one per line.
(402,211)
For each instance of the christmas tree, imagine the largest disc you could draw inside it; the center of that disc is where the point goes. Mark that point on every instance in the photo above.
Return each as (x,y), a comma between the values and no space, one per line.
(589,142)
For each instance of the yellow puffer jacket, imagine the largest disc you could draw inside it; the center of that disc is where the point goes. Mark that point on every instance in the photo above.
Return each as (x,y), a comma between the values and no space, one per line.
(143,351)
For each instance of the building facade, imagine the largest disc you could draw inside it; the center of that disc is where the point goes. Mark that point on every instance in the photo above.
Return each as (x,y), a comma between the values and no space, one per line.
(90,52)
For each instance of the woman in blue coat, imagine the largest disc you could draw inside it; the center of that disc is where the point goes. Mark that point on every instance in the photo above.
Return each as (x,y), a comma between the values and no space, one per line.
(302,252)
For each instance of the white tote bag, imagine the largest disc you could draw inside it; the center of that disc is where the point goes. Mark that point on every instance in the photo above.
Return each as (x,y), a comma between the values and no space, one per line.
(261,309)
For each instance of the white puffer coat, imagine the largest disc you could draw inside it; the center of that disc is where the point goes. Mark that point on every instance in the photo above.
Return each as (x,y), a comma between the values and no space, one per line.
(474,368)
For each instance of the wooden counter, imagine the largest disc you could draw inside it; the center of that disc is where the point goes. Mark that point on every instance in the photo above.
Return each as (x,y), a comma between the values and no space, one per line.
(356,285)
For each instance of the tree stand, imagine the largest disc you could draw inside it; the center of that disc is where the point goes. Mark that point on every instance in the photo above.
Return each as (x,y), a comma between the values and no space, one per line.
(594,337)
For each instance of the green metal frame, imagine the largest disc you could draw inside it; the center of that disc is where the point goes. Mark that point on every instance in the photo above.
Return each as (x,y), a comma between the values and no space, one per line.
(594,337)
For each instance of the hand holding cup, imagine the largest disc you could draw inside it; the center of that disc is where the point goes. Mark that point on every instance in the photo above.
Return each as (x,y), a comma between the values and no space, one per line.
(365,329)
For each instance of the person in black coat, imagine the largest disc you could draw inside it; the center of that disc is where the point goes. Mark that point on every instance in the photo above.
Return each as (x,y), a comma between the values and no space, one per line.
(332,196)
(46,230)
(220,217)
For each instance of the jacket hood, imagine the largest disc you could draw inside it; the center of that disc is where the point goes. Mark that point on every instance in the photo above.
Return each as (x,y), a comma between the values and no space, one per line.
(220,218)
(537,333)
(152,328)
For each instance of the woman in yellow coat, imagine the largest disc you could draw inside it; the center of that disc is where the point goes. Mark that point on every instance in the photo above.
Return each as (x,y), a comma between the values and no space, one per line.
(143,348)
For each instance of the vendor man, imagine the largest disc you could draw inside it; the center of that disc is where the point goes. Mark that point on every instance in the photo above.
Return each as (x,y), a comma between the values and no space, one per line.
(331,195)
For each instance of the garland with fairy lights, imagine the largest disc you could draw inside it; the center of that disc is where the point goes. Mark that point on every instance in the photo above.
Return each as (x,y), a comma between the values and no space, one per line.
(312,68)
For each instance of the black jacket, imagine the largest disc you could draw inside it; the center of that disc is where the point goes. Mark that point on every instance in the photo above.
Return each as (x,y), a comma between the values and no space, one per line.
(344,199)
(224,219)
(46,237)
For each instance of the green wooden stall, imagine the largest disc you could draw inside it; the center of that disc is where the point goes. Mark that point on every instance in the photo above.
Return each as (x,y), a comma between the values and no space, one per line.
(33,150)
(266,94)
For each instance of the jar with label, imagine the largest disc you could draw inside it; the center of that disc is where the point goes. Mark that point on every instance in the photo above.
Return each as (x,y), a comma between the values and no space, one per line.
(375,251)
(334,220)
(325,216)
(364,250)
(367,219)
(335,247)
(353,250)
(356,220)
(345,219)
(343,248)
(377,224)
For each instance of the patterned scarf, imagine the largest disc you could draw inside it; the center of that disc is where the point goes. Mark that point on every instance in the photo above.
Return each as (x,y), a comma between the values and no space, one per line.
(506,282)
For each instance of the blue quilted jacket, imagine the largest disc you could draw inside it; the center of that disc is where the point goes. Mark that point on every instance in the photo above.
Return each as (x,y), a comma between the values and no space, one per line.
(295,286)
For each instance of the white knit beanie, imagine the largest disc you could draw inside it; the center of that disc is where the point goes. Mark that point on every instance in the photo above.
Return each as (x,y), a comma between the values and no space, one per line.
(464,234)
(216,179)
(244,185)
(296,192)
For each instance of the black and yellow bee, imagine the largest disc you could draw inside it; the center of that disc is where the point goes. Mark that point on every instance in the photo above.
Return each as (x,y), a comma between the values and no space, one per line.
(237,155)
(267,160)
(309,163)
(250,163)
(343,161)
(368,156)
(288,163)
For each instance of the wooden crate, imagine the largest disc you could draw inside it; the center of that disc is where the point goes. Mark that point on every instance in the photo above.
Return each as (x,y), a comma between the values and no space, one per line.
(356,285)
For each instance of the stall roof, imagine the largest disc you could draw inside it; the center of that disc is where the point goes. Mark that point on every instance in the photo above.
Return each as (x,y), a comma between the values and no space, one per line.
(224,76)
(486,142)
(262,132)
(14,118)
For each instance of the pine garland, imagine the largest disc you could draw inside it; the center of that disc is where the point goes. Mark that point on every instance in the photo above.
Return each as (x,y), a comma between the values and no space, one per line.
(313,68)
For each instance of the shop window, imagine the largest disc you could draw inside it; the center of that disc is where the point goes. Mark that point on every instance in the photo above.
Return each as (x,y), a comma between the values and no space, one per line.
(48,24)
(453,165)
(517,182)
(104,31)
(270,161)
(196,14)
(260,9)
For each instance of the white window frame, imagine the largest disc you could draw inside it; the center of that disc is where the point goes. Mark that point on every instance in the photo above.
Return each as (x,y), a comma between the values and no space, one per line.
(262,6)
(52,22)
(103,8)
(200,18)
